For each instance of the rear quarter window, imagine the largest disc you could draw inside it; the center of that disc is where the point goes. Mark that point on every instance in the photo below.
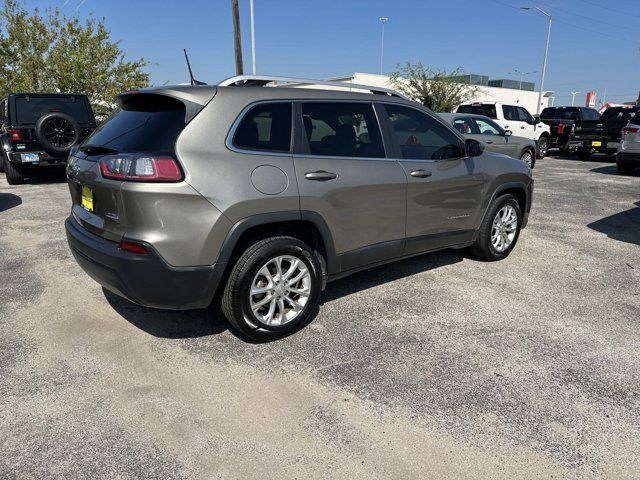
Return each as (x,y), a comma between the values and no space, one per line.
(142,123)
(265,127)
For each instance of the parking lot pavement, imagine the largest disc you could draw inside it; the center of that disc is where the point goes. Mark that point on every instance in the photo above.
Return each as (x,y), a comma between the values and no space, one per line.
(440,366)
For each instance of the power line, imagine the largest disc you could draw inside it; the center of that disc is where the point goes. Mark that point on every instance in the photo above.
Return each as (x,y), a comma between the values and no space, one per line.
(609,9)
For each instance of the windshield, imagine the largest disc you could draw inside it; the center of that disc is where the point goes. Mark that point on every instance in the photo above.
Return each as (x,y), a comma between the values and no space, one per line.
(560,114)
(29,108)
(487,110)
(143,123)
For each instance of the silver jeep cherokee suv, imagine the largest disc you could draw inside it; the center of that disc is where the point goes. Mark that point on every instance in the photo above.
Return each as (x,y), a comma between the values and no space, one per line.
(266,194)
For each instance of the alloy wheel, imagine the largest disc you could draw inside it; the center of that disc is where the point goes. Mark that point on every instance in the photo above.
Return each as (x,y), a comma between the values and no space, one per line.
(527,158)
(280,290)
(59,132)
(504,228)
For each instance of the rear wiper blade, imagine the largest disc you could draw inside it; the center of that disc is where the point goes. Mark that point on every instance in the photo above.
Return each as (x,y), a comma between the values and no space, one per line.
(96,149)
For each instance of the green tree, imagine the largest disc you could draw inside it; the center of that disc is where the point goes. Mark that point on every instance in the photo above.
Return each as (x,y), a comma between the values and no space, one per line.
(50,52)
(439,90)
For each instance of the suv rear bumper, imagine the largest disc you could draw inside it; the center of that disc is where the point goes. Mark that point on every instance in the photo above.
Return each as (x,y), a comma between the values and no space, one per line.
(44,158)
(145,279)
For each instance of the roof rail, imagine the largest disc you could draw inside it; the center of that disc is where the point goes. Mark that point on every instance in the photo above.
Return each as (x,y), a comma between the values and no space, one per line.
(262,80)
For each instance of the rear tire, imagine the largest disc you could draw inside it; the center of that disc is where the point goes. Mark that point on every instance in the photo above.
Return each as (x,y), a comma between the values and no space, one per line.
(543,146)
(625,168)
(277,309)
(500,229)
(13,173)
(584,153)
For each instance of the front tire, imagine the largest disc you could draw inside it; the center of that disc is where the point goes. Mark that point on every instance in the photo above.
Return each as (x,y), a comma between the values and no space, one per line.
(543,146)
(273,289)
(528,156)
(13,173)
(500,229)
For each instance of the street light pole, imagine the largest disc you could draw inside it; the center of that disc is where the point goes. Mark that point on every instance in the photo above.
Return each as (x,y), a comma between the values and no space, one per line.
(253,40)
(546,52)
(383,20)
(573,97)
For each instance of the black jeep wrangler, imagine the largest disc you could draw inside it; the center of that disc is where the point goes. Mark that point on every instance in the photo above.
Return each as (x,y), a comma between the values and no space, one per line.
(39,129)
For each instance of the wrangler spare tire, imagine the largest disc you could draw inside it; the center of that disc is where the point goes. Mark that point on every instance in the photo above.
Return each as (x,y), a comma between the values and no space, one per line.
(57,132)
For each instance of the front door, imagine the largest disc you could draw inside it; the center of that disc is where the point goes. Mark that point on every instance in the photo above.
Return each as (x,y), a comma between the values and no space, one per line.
(491,134)
(345,177)
(445,187)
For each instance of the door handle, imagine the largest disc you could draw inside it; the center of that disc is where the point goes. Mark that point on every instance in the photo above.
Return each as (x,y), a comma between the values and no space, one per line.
(522,127)
(489,142)
(420,173)
(320,175)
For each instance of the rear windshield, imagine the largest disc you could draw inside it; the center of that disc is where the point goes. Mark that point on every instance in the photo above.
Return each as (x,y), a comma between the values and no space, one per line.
(486,110)
(620,114)
(142,123)
(560,114)
(636,119)
(30,108)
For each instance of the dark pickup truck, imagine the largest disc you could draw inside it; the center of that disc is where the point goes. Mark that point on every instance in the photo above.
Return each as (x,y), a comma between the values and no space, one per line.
(561,121)
(602,135)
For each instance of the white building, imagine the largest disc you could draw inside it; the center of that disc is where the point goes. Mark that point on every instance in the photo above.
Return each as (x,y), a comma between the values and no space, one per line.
(509,96)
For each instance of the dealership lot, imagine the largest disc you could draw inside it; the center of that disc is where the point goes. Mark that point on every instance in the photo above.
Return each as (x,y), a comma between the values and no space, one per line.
(438,366)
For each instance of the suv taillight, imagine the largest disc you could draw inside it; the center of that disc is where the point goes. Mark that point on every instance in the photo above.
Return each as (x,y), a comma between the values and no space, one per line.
(15,135)
(630,130)
(141,169)
(561,128)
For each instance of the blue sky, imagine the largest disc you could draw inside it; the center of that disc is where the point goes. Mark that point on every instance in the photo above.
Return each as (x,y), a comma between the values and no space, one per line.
(595,44)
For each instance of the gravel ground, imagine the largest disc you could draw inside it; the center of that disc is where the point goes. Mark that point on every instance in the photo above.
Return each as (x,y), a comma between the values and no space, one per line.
(440,366)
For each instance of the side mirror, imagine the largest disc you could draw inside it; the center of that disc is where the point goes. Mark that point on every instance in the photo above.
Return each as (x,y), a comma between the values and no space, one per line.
(536,119)
(474,147)
(508,133)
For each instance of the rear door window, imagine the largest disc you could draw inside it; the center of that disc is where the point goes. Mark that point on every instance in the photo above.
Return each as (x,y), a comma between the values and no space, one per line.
(420,136)
(142,123)
(337,129)
(510,113)
(265,127)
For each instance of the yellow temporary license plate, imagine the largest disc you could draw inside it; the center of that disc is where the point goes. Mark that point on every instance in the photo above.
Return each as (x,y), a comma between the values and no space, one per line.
(87,199)
(596,144)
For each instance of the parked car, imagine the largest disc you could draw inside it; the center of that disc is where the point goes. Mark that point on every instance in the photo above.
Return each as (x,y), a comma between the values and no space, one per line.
(39,129)
(561,121)
(495,139)
(602,135)
(514,118)
(628,155)
(266,194)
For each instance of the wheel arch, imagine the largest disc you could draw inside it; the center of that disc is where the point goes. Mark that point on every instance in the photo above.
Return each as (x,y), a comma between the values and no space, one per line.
(307,226)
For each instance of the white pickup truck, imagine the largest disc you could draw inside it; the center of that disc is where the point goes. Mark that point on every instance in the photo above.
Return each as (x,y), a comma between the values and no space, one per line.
(514,118)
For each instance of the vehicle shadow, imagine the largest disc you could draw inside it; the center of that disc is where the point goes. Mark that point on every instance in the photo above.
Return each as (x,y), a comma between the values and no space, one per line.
(608,170)
(169,323)
(8,201)
(622,226)
(46,176)
(211,321)
(389,273)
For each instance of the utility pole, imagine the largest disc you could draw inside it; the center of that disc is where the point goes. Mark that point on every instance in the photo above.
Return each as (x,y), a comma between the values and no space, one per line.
(573,97)
(253,40)
(383,20)
(237,43)
(546,52)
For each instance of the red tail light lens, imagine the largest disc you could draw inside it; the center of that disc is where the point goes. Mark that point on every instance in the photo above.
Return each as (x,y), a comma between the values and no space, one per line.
(133,247)
(141,169)
(630,129)
(561,127)
(15,135)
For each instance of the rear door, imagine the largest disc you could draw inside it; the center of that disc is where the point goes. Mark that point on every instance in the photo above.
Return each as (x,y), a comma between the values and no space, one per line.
(445,187)
(344,175)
